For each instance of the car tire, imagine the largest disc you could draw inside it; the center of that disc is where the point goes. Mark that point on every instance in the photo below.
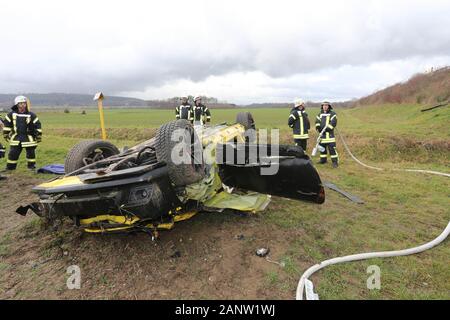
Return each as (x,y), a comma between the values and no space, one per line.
(88,151)
(180,174)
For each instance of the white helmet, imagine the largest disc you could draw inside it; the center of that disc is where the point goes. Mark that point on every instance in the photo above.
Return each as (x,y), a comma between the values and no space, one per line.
(298,102)
(197,98)
(19,99)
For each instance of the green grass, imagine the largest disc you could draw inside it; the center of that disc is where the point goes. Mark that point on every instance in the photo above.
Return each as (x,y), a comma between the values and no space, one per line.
(401,209)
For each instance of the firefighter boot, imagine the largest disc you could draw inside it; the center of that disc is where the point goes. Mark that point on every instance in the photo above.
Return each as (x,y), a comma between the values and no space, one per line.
(323,159)
(335,163)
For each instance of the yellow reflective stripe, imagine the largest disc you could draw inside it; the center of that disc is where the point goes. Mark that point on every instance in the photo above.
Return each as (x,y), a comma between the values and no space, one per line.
(36,120)
(11,161)
(31,160)
(323,155)
(300,118)
(14,122)
(292,116)
(39,130)
(334,157)
(330,126)
(328,140)
(6,129)
(7,118)
(301,136)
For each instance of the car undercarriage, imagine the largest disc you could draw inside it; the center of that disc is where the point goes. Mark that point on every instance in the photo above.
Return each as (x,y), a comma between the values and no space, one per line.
(144,189)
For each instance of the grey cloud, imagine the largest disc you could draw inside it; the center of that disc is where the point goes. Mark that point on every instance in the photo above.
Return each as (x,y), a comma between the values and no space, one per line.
(130,56)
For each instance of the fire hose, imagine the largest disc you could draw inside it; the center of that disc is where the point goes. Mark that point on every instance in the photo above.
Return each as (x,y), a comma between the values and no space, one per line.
(304,282)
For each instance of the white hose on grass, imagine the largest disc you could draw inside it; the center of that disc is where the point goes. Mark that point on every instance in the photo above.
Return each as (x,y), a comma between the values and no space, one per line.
(370,255)
(364,256)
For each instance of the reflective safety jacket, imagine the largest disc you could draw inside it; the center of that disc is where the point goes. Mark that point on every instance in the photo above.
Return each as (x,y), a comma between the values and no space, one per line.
(328,120)
(201,114)
(184,111)
(22,128)
(299,122)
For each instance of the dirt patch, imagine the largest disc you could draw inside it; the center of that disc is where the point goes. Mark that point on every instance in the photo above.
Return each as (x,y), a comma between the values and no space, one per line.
(14,191)
(211,256)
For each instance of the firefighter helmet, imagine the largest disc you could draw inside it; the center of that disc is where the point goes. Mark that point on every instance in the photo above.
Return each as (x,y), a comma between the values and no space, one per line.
(298,102)
(197,98)
(20,99)
(326,103)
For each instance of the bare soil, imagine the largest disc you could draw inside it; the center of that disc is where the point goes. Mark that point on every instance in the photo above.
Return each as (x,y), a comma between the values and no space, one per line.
(211,256)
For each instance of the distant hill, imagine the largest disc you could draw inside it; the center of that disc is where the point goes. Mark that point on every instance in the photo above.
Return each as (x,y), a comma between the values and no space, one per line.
(69,100)
(62,100)
(424,88)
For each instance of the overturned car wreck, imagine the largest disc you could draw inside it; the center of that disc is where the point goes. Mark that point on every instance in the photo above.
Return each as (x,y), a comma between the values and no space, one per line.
(181,171)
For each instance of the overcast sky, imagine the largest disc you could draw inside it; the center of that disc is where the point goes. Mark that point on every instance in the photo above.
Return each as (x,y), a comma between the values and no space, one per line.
(238,51)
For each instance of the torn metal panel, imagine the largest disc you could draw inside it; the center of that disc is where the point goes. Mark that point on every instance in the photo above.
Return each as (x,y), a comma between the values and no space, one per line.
(333,187)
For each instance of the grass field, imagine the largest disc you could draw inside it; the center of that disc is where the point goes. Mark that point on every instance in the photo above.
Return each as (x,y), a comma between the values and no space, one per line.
(401,210)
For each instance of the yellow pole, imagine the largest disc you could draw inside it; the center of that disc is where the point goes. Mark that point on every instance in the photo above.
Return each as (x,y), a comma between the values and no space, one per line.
(102,118)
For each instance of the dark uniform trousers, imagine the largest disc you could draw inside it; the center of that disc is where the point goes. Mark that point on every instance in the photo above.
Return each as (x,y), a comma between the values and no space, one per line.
(331,148)
(302,143)
(14,154)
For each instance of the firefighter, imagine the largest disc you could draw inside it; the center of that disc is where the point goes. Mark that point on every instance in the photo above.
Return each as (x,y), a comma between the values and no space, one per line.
(184,111)
(202,114)
(2,148)
(22,129)
(299,122)
(327,119)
